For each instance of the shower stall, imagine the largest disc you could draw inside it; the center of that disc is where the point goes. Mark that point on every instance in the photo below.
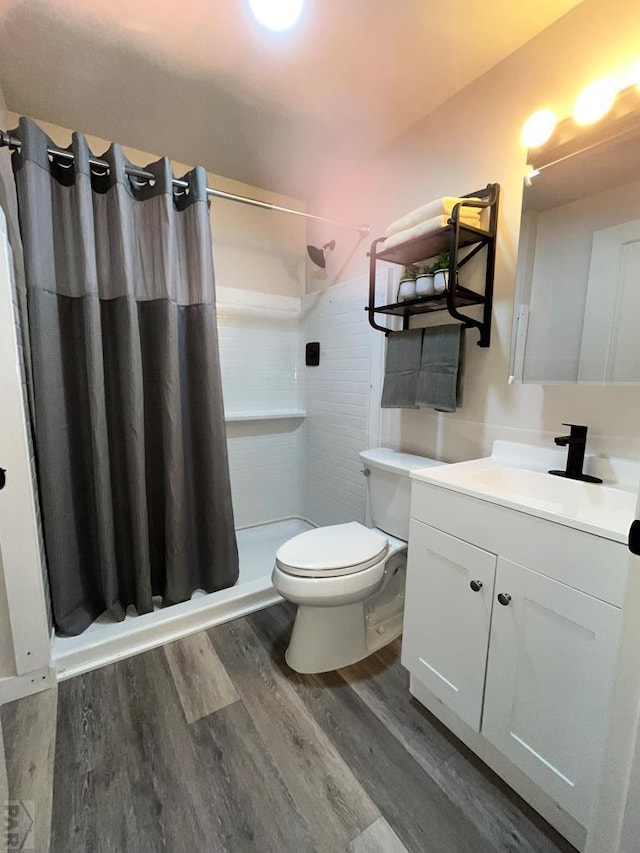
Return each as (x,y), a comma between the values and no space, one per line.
(292,437)
(293,433)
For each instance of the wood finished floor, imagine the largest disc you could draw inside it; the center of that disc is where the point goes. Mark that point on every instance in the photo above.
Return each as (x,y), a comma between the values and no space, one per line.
(214,744)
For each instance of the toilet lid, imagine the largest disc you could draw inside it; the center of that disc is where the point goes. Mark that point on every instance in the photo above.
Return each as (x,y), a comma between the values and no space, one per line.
(341,549)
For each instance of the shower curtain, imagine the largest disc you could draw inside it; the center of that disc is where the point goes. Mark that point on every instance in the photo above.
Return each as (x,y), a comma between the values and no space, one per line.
(127,402)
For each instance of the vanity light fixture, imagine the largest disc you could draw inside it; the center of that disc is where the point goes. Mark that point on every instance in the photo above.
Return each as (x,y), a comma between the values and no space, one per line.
(595,101)
(538,128)
(277,15)
(593,104)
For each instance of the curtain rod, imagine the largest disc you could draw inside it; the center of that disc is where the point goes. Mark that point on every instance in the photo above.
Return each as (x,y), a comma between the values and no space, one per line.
(12,142)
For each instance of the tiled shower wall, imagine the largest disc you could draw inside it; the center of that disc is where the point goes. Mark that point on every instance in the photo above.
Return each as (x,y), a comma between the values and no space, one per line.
(259,357)
(342,401)
(306,467)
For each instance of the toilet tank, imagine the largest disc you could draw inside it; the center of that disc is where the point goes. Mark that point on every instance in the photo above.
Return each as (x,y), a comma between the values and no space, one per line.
(389,487)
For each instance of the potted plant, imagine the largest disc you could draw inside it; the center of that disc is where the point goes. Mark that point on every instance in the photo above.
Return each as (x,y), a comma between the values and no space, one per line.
(407,289)
(424,280)
(441,273)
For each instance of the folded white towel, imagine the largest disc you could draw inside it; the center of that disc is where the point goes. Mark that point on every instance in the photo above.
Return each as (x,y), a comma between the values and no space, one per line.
(439,207)
(423,228)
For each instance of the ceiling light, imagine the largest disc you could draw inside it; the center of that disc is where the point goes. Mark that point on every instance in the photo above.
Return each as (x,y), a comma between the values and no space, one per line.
(277,15)
(594,102)
(538,128)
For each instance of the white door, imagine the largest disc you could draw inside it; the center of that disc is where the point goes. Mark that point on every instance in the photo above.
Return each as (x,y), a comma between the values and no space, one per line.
(447,618)
(610,350)
(552,659)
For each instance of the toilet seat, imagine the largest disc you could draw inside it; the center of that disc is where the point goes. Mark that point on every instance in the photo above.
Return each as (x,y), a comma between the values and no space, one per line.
(342,549)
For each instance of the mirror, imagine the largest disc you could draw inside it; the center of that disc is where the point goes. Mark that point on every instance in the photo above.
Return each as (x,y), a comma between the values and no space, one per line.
(577,309)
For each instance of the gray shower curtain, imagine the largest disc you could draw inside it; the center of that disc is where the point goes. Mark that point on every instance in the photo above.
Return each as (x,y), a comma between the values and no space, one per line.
(127,401)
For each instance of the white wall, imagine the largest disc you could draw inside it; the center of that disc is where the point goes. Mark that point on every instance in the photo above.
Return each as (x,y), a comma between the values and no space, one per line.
(265,464)
(339,392)
(259,338)
(299,467)
(259,351)
(469,141)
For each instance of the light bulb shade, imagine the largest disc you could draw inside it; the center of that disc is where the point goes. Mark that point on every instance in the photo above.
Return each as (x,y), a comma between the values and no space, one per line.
(538,128)
(277,15)
(594,102)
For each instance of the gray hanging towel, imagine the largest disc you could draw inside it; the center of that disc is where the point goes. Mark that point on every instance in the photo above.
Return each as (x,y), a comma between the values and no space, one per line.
(404,350)
(440,376)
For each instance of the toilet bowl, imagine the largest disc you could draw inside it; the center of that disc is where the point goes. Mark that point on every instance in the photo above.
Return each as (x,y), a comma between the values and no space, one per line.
(347,579)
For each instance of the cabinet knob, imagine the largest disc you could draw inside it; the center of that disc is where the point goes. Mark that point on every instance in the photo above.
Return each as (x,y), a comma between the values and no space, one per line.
(476,586)
(504,598)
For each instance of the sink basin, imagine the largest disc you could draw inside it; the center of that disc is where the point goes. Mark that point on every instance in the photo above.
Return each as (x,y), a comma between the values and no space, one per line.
(600,509)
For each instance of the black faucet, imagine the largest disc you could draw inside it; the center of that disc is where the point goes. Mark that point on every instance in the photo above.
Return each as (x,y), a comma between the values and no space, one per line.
(576,442)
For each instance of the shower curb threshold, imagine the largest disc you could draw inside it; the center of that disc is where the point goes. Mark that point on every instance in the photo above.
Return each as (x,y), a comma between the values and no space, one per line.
(195,615)
(120,640)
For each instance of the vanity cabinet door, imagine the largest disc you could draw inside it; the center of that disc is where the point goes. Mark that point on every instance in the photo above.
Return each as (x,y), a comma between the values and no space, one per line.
(447,618)
(552,659)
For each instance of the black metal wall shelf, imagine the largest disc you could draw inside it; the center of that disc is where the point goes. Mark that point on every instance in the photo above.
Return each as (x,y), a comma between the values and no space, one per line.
(428,304)
(453,237)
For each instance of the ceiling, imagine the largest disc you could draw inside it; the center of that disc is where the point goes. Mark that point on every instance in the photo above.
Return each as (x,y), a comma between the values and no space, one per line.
(203,82)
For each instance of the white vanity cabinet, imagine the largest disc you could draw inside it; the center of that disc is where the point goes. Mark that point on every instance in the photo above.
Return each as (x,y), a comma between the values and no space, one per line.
(549,680)
(507,631)
(447,621)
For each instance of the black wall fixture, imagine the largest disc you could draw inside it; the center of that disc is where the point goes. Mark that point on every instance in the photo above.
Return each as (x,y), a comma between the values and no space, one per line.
(634,537)
(318,256)
(312,354)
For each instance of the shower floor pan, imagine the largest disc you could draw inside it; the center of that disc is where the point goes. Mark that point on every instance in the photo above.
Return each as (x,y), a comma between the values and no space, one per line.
(106,641)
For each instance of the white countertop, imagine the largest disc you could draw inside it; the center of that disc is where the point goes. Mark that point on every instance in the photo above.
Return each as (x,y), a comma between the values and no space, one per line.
(515,476)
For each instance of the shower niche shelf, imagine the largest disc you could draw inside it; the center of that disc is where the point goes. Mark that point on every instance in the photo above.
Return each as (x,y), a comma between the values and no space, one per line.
(265,415)
(454,238)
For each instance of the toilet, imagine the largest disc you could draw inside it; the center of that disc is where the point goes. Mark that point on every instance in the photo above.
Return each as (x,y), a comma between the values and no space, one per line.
(347,579)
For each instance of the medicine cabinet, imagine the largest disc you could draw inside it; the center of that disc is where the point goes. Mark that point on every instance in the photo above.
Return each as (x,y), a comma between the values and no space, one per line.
(577,305)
